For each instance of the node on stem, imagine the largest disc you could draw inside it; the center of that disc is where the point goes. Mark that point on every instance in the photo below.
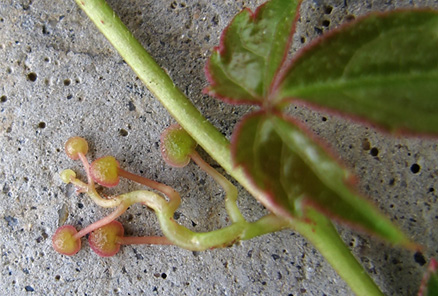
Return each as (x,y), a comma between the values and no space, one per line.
(104,171)
(74,146)
(63,240)
(104,240)
(177,146)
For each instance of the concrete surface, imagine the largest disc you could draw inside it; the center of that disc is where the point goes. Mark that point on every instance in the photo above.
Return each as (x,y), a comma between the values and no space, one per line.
(59,78)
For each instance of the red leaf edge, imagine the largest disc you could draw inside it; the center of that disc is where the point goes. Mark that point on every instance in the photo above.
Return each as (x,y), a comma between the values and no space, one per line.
(433,267)
(350,182)
(358,119)
(308,203)
(341,27)
(221,50)
(269,202)
(397,133)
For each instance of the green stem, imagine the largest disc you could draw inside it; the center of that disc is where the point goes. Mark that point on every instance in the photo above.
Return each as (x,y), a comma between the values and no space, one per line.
(213,142)
(174,197)
(160,84)
(229,188)
(323,235)
(182,236)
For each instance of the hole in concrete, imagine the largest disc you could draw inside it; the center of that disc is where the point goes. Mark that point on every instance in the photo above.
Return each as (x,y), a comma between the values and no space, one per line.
(419,258)
(131,106)
(163,275)
(67,82)
(374,151)
(57,277)
(42,124)
(324,118)
(328,9)
(318,31)
(215,20)
(3,99)
(173,5)
(415,168)
(32,76)
(326,23)
(123,132)
(275,256)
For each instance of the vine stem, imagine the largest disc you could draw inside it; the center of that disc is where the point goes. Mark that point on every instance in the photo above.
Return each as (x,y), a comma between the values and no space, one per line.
(321,233)
(160,84)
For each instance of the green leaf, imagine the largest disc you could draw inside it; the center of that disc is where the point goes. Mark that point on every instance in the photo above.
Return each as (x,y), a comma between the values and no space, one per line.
(429,285)
(251,50)
(296,173)
(382,68)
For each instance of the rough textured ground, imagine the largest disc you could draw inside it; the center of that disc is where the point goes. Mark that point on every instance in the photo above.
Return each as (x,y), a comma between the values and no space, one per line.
(59,78)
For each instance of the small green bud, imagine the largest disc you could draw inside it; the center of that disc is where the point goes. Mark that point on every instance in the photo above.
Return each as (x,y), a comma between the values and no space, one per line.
(177,146)
(74,146)
(67,176)
(105,171)
(104,241)
(63,241)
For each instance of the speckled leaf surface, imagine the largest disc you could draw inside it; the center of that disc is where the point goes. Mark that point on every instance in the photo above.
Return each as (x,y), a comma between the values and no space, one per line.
(251,50)
(382,68)
(295,172)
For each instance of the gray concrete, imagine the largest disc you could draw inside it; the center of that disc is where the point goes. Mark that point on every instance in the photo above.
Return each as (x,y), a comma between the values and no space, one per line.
(59,78)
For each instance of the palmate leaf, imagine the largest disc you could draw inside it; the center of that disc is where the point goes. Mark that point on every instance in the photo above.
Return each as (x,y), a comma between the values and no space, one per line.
(295,173)
(251,50)
(382,68)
